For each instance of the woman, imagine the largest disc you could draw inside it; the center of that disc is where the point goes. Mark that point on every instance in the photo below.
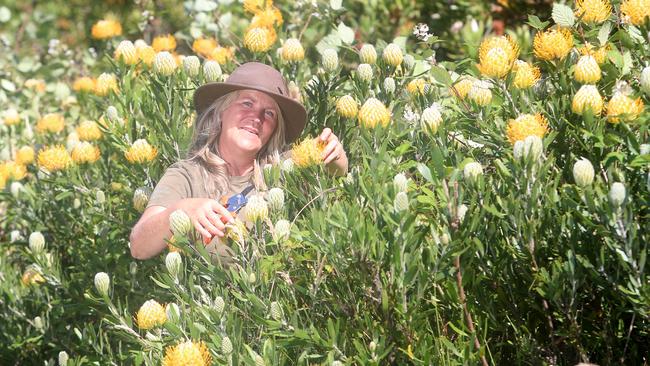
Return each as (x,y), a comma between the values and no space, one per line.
(241,125)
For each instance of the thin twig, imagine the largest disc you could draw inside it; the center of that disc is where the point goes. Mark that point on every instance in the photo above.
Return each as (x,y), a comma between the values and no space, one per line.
(468,315)
(312,200)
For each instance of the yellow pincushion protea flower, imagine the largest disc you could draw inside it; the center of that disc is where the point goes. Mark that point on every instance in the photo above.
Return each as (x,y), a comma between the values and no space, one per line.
(85,152)
(204,46)
(145,54)
(462,87)
(54,158)
(417,86)
(89,131)
(164,43)
(372,113)
(292,50)
(126,53)
(553,44)
(308,152)
(347,107)
(106,28)
(623,108)
(259,39)
(25,155)
(84,84)
(593,11)
(106,83)
(151,314)
(600,53)
(587,97)
(188,353)
(13,170)
(587,70)
(526,75)
(254,6)
(222,54)
(141,152)
(51,122)
(497,55)
(237,231)
(635,11)
(267,18)
(526,125)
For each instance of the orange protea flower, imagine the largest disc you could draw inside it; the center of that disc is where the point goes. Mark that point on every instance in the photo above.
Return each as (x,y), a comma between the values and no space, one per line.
(204,46)
(267,18)
(140,152)
(25,155)
(84,84)
(259,39)
(188,353)
(146,54)
(526,125)
(164,43)
(12,170)
(373,112)
(417,86)
(593,11)
(526,75)
(35,84)
(150,314)
(623,108)
(308,152)
(497,55)
(600,54)
(106,28)
(587,97)
(51,122)
(89,131)
(462,87)
(635,11)
(554,43)
(106,83)
(54,158)
(222,54)
(85,152)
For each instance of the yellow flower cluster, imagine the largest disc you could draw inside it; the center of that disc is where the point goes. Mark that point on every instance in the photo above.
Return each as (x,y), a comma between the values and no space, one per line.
(222,54)
(593,11)
(526,75)
(497,55)
(140,152)
(145,52)
(54,158)
(416,87)
(204,46)
(51,122)
(623,108)
(259,39)
(188,353)
(25,155)
(261,35)
(552,44)
(308,152)
(636,11)
(150,314)
(373,112)
(88,131)
(164,43)
(526,125)
(599,54)
(84,84)
(12,170)
(106,28)
(85,152)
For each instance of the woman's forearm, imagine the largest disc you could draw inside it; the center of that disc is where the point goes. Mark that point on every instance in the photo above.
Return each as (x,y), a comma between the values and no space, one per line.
(149,234)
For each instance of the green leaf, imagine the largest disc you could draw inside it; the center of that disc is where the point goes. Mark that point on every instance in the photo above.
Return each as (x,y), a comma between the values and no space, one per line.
(536,23)
(8,85)
(603,33)
(441,75)
(563,15)
(627,63)
(426,172)
(346,34)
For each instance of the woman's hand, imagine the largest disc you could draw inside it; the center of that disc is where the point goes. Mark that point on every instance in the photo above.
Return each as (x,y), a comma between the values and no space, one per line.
(207,215)
(334,155)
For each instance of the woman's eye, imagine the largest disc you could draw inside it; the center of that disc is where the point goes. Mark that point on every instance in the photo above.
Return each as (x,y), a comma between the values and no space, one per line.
(270,113)
(248,104)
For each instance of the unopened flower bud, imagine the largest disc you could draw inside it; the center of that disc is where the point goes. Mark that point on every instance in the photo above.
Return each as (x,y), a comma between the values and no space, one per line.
(389,85)
(111,114)
(400,182)
(219,304)
(409,62)
(102,283)
(36,242)
(330,59)
(211,70)
(100,197)
(252,278)
(401,202)
(472,171)
(533,147)
(141,198)
(133,268)
(392,55)
(164,63)
(364,72)
(226,345)
(368,54)
(180,223)
(63,358)
(281,230)
(372,346)
(583,172)
(287,165)
(191,65)
(275,198)
(76,203)
(38,323)
(14,236)
(173,262)
(518,150)
(617,194)
(173,312)
(645,80)
(644,149)
(259,361)
(461,211)
(16,188)
(431,117)
(276,311)
(444,238)
(256,209)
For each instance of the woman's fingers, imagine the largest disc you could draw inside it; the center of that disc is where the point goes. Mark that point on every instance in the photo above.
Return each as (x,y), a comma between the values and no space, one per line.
(226,216)
(204,233)
(216,220)
(326,134)
(332,151)
(212,229)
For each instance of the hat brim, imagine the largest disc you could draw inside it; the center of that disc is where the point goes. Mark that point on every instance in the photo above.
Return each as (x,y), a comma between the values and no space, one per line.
(294,113)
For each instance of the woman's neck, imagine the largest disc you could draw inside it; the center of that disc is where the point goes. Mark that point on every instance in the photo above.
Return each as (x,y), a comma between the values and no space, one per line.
(238,164)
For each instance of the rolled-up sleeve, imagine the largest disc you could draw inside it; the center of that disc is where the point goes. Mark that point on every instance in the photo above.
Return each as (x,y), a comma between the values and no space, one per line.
(173,186)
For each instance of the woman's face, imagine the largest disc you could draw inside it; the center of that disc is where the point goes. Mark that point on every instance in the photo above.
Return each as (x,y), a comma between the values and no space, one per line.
(248,122)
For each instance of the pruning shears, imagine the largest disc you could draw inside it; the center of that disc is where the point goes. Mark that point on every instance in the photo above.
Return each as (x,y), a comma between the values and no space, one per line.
(237,201)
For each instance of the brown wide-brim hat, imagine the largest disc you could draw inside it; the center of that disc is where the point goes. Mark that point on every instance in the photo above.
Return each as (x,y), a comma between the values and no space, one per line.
(260,77)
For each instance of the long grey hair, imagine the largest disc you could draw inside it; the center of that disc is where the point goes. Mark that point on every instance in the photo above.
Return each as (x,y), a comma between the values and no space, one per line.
(204,148)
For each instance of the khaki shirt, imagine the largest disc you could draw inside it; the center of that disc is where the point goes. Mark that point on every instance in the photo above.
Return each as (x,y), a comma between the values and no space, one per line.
(184,180)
